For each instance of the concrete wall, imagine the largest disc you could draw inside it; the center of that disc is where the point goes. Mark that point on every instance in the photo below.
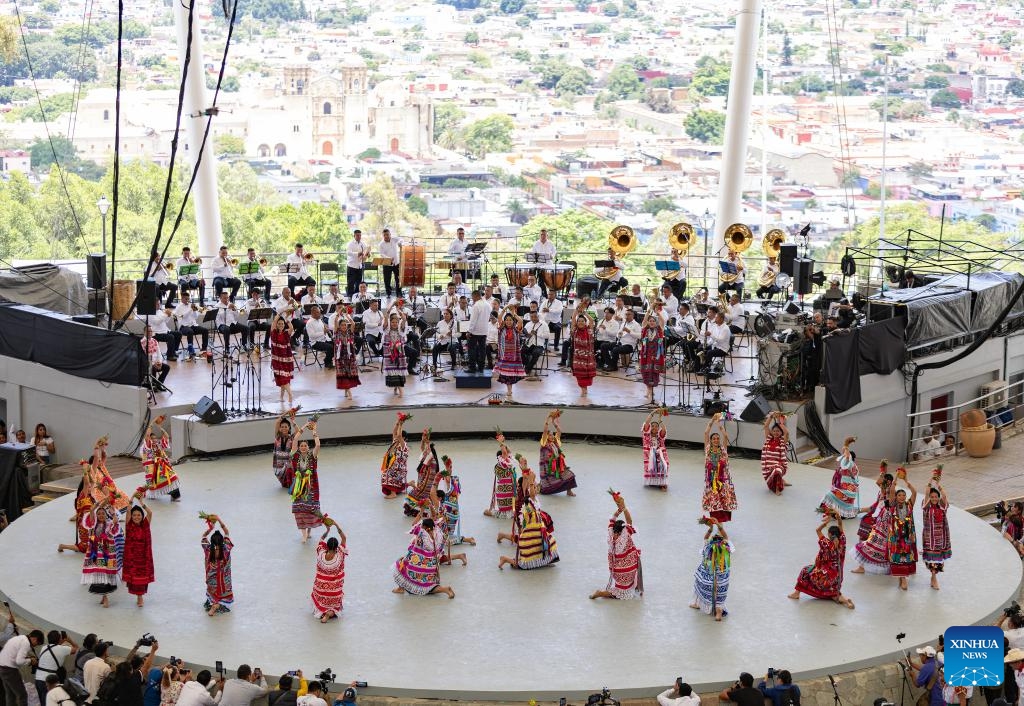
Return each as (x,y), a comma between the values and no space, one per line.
(76,411)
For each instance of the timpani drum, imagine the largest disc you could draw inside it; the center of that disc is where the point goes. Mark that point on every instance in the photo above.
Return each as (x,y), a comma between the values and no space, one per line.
(412,266)
(557,277)
(518,275)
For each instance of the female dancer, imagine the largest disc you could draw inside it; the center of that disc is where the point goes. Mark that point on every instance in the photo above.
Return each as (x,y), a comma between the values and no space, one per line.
(346,364)
(439,516)
(626,577)
(902,545)
(217,561)
(282,360)
(427,477)
(504,488)
(394,468)
(105,551)
(395,365)
(450,506)
(774,461)
(883,482)
(160,476)
(83,506)
(535,545)
(711,580)
(584,366)
(306,485)
(417,572)
(137,573)
(651,353)
(286,428)
(555,475)
(935,544)
(329,584)
(824,578)
(655,453)
(719,499)
(844,496)
(509,365)
(872,553)
(103,486)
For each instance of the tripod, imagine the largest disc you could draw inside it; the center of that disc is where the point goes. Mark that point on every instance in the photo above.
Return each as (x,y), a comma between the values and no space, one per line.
(905,686)
(835,690)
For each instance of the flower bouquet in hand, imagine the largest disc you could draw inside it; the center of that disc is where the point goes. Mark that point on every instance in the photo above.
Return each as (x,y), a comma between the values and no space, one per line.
(403,417)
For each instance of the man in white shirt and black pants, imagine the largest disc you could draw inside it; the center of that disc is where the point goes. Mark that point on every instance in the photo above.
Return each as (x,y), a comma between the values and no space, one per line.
(318,337)
(355,254)
(479,316)
(301,276)
(544,249)
(158,274)
(389,249)
(224,274)
(537,336)
(17,653)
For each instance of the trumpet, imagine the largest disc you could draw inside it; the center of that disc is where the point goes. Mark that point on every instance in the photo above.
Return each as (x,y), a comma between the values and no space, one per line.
(263,261)
(169,266)
(233,261)
(308,257)
(197,260)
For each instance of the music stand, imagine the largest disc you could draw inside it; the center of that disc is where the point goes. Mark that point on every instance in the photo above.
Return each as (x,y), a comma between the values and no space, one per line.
(728,268)
(632,302)
(603,264)
(667,267)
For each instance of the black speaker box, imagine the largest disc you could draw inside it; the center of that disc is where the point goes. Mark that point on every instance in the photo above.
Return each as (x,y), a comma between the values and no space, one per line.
(757,410)
(97,301)
(787,253)
(464,381)
(803,268)
(96,271)
(146,298)
(586,287)
(209,411)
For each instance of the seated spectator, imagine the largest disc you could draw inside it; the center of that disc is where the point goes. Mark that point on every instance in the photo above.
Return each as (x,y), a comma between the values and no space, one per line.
(927,446)
(948,445)
(679,695)
(743,692)
(197,693)
(20,437)
(45,448)
(245,688)
(783,692)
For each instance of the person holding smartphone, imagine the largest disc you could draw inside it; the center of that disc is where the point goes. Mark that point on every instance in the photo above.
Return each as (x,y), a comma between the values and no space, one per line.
(248,685)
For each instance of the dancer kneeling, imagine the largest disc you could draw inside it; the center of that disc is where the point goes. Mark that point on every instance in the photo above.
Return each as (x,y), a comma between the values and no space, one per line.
(824,578)
(329,584)
(417,572)
(626,578)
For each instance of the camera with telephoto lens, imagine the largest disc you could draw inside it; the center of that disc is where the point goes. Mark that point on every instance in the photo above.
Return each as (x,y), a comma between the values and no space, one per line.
(326,676)
(772,671)
(146,640)
(602,699)
(1001,510)
(1012,610)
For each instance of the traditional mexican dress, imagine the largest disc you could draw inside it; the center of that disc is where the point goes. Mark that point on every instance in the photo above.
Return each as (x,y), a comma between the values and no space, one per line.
(417,571)
(504,492)
(626,578)
(902,545)
(137,572)
(935,542)
(584,365)
(651,356)
(719,499)
(104,488)
(160,476)
(872,553)
(844,497)
(282,362)
(452,515)
(283,460)
(428,475)
(104,552)
(395,365)
(509,365)
(655,457)
(774,463)
(394,468)
(346,364)
(306,491)
(711,579)
(218,577)
(555,476)
(535,545)
(824,578)
(83,506)
(329,584)
(869,519)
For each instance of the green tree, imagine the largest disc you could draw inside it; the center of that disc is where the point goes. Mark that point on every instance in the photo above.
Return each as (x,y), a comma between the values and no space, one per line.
(51,108)
(658,204)
(448,117)
(386,208)
(787,50)
(987,221)
(550,70)
(623,81)
(1015,87)
(574,230)
(936,81)
(658,101)
(939,68)
(1006,39)
(945,99)
(640,63)
(610,9)
(711,78)
(471,37)
(229,144)
(417,205)
(511,7)
(490,134)
(705,126)
(574,82)
(42,152)
(521,55)
(517,212)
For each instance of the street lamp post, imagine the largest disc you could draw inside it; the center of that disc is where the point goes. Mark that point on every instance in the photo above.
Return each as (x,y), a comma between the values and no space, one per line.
(707,222)
(103,205)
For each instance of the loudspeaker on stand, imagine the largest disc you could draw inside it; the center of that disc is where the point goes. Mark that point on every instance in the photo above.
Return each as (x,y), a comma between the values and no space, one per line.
(209,411)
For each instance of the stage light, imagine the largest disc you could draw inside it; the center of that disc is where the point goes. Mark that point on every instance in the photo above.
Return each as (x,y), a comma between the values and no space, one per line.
(818,278)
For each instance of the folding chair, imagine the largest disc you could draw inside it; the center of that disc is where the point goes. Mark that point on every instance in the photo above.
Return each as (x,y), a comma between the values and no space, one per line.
(328,268)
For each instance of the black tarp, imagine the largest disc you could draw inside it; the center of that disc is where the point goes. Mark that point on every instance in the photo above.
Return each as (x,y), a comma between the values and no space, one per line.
(992,291)
(77,349)
(14,493)
(933,314)
(842,371)
(882,348)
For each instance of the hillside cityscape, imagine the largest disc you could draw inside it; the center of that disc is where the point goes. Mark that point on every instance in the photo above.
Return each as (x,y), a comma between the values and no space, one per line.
(505,116)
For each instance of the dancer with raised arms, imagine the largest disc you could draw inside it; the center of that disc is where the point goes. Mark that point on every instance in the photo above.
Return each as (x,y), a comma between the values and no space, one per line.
(329,583)
(428,475)
(137,572)
(936,547)
(217,546)
(284,431)
(824,578)
(655,452)
(555,476)
(503,490)
(306,482)
(394,469)
(711,579)
(774,458)
(844,496)
(902,544)
(160,476)
(719,498)
(626,578)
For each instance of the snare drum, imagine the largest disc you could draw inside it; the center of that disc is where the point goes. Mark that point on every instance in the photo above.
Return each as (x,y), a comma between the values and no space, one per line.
(518,275)
(557,277)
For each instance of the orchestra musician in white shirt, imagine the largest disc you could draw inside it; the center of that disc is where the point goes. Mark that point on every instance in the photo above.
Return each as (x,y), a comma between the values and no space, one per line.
(251,326)
(188,324)
(460,288)
(736,315)
(670,301)
(551,312)
(499,291)
(224,274)
(611,277)
(291,311)
(605,336)
(356,254)
(160,323)
(361,297)
(416,309)
(532,292)
(158,274)
(715,339)
(317,336)
(373,328)
(310,298)
(625,342)
(736,285)
(333,297)
(390,248)
(258,279)
(544,251)
(445,338)
(536,336)
(227,320)
(188,282)
(299,262)
(450,299)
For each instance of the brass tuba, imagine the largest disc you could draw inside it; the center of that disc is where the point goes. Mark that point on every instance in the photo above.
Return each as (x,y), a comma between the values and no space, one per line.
(622,240)
(681,237)
(738,237)
(772,242)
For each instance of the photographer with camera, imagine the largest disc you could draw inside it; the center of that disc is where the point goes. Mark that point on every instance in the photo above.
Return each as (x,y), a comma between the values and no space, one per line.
(1012,624)
(927,675)
(285,695)
(743,692)
(247,686)
(783,692)
(679,695)
(51,660)
(314,696)
(17,653)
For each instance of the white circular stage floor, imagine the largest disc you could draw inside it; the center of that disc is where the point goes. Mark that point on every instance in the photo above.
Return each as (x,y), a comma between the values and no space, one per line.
(508,634)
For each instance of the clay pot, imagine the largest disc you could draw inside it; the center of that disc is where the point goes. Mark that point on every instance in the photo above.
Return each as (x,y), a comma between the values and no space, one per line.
(978,443)
(973,418)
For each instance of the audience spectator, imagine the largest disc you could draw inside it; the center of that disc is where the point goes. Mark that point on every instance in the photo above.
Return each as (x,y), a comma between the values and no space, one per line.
(17,653)
(6,634)
(20,437)
(783,692)
(348,697)
(55,694)
(285,695)
(927,446)
(246,687)
(314,695)
(96,670)
(1013,526)
(1015,658)
(172,681)
(51,659)
(1013,629)
(197,693)
(926,675)
(84,655)
(743,692)
(45,448)
(679,695)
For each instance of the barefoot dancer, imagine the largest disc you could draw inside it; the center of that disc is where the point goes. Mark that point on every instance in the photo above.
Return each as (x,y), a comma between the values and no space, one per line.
(160,476)
(774,462)
(555,475)
(137,572)
(83,506)
(306,485)
(417,572)
(626,578)
(824,578)
(394,469)
(935,544)
(719,499)
(655,453)
(286,428)
(535,544)
(902,545)
(282,360)
(871,513)
(329,584)
(503,490)
(428,475)
(711,579)
(450,506)
(217,562)
(844,496)
(105,551)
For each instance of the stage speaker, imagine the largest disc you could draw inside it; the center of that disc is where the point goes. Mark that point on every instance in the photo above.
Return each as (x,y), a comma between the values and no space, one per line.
(209,411)
(96,271)
(757,410)
(97,301)
(464,381)
(586,286)
(803,268)
(787,254)
(146,298)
